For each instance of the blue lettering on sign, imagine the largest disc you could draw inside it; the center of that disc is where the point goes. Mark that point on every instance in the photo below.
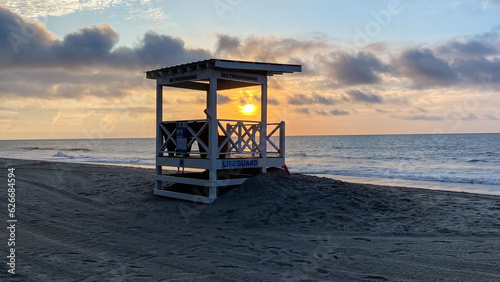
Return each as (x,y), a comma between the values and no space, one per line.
(240,163)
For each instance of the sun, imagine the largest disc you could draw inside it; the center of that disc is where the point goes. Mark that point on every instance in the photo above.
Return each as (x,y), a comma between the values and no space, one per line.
(248,109)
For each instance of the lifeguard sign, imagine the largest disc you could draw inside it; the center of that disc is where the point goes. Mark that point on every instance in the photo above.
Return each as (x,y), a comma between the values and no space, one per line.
(227,149)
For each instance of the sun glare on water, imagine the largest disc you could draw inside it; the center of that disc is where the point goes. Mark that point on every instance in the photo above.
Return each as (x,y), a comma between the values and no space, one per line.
(248,109)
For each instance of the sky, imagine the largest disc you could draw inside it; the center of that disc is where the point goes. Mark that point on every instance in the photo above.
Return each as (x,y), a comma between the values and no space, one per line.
(74,69)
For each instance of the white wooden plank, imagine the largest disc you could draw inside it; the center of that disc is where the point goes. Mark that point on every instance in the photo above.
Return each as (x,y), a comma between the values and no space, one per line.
(183,196)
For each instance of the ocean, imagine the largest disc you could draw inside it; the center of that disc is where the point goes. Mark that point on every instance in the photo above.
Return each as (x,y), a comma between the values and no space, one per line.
(456,162)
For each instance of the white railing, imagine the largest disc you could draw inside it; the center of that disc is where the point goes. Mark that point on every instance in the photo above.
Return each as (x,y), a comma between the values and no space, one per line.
(237,138)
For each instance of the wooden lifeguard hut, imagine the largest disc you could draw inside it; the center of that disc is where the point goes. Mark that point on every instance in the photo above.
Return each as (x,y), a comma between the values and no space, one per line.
(228,150)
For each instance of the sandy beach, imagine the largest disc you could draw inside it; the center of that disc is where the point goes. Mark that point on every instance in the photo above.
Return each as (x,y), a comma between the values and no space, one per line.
(79,222)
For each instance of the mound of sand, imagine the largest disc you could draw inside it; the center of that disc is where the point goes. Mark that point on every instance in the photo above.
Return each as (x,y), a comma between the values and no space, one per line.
(308,202)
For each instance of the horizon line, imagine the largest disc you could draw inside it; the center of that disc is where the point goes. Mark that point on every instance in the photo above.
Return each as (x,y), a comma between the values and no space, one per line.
(313,135)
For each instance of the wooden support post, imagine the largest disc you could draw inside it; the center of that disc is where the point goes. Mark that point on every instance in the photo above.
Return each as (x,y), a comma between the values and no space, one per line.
(159,135)
(282,140)
(213,137)
(263,124)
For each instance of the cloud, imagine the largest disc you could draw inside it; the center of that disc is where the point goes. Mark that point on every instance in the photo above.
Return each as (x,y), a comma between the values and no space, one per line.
(226,44)
(361,68)
(18,34)
(480,69)
(75,84)
(303,111)
(37,8)
(469,117)
(200,99)
(473,57)
(150,13)
(91,44)
(353,96)
(302,99)
(222,99)
(334,112)
(126,109)
(359,96)
(383,111)
(164,50)
(481,44)
(137,9)
(323,113)
(473,47)
(424,117)
(90,62)
(27,43)
(270,48)
(424,69)
(272,101)
(488,4)
(339,112)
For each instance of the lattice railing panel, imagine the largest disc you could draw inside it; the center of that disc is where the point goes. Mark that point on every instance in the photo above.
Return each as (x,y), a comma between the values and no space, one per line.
(236,137)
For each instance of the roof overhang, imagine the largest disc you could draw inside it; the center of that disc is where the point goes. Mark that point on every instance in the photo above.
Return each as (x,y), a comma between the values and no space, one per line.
(260,68)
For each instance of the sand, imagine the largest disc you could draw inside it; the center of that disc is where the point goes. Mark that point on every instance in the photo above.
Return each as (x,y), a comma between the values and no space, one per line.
(80,222)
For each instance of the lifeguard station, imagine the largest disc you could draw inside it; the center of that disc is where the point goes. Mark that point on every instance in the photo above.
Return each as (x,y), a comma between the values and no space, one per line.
(228,150)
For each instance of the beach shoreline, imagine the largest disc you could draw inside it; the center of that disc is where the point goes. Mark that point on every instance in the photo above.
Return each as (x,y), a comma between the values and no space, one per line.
(98,222)
(482,189)
(389,182)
